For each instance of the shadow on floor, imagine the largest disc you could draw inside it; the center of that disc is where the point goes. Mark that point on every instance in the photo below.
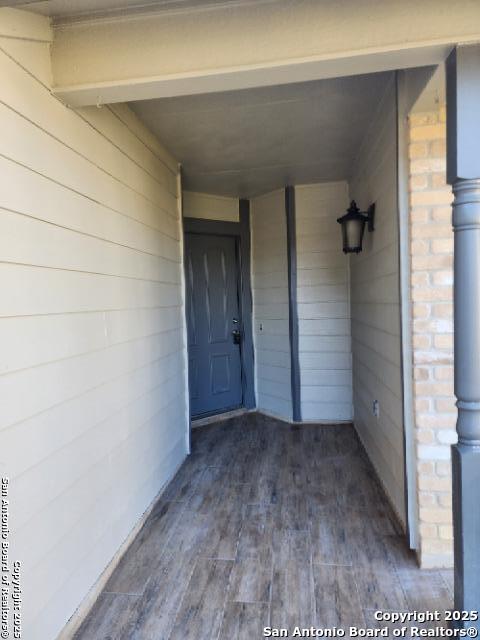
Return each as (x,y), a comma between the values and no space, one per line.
(265,524)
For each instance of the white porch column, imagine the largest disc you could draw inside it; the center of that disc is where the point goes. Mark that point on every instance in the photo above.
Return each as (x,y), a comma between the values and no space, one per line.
(463,173)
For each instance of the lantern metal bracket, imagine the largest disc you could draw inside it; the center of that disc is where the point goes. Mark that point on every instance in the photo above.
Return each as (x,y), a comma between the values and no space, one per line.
(370,215)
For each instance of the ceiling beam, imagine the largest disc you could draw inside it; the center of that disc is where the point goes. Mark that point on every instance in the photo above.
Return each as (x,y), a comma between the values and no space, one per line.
(222,79)
(268,42)
(31,26)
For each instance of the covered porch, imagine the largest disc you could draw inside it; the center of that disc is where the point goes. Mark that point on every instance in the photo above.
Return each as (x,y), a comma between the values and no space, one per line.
(345,481)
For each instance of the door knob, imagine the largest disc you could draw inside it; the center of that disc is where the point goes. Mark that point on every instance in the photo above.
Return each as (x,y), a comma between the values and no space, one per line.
(236,336)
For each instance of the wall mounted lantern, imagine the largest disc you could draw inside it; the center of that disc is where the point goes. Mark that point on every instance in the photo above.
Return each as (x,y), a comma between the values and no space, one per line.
(353,226)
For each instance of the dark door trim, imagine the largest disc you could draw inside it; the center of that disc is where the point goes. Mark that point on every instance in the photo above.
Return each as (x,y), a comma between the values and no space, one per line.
(241,231)
(292,299)
(247,352)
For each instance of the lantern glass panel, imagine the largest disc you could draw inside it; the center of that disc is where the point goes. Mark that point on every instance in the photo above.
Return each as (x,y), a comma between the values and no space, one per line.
(354,229)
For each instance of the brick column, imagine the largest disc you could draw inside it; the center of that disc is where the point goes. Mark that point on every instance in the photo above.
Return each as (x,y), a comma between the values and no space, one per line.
(432,306)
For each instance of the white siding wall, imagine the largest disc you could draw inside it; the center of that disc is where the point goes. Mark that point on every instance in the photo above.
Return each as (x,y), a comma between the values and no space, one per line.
(93,407)
(323,303)
(375,305)
(270,304)
(210,207)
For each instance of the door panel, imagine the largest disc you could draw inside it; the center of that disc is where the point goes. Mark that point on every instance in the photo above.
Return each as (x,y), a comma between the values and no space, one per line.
(212,307)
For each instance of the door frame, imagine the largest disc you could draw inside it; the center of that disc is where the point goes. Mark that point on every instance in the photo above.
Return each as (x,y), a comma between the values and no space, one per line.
(241,232)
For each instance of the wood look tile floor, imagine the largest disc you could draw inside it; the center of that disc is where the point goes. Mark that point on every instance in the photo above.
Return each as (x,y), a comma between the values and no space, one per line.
(265,524)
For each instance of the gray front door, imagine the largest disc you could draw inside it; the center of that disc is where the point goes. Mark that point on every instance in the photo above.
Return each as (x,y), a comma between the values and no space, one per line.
(212,318)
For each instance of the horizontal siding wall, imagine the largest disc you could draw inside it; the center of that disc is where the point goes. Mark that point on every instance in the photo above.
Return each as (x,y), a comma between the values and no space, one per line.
(375,305)
(93,418)
(270,304)
(323,303)
(210,207)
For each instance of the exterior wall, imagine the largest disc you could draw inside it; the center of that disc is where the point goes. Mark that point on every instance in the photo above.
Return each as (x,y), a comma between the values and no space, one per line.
(93,418)
(432,296)
(210,207)
(375,305)
(323,304)
(270,304)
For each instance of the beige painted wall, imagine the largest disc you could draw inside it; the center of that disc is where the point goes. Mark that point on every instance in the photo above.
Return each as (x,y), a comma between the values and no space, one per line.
(270,304)
(210,207)
(323,304)
(435,413)
(375,305)
(93,417)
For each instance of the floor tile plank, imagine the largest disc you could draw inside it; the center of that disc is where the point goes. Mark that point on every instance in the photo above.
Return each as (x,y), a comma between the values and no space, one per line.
(109,618)
(425,590)
(201,611)
(156,610)
(336,598)
(244,621)
(330,541)
(379,589)
(141,559)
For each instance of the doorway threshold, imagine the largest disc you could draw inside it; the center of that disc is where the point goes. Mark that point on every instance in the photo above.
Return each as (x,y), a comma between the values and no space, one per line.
(218,417)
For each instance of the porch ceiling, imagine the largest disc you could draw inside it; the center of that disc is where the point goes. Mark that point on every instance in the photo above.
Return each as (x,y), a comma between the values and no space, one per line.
(242,143)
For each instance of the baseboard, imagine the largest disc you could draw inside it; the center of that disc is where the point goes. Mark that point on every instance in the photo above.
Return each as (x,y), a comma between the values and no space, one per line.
(324,423)
(84,608)
(274,416)
(220,417)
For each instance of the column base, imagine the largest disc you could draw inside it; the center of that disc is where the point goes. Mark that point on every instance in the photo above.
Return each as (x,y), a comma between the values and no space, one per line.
(466,528)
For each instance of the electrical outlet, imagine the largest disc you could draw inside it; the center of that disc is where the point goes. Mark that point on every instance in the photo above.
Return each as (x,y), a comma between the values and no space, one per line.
(376,408)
